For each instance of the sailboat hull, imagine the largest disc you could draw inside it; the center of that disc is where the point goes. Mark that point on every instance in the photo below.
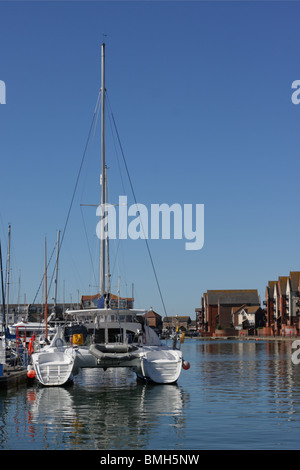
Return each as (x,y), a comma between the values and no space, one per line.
(54,367)
(161,366)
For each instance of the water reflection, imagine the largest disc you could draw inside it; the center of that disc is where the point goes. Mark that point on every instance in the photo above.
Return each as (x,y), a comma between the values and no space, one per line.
(236,395)
(249,388)
(103,411)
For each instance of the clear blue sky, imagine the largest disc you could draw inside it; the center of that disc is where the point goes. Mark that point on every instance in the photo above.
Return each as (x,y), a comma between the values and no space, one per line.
(201,93)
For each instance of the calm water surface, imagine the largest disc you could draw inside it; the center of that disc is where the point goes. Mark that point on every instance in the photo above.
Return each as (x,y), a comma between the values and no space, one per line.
(236,395)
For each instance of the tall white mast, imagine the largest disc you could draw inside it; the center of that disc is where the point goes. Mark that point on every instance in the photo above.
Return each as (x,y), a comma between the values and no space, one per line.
(103,185)
(7,275)
(107,240)
(56,269)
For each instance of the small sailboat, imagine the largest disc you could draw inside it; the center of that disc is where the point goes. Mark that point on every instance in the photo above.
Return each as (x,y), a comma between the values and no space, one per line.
(113,335)
(53,365)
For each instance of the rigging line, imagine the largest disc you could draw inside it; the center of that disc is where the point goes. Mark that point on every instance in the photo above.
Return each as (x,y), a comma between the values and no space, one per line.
(116,257)
(3,293)
(91,258)
(74,191)
(147,244)
(43,277)
(119,241)
(113,136)
(80,168)
(97,110)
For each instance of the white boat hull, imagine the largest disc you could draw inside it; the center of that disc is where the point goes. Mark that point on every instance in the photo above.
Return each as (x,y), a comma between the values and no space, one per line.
(161,366)
(146,356)
(55,366)
(157,364)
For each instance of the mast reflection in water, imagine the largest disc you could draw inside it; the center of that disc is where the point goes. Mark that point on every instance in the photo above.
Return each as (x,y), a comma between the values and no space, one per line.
(101,410)
(236,395)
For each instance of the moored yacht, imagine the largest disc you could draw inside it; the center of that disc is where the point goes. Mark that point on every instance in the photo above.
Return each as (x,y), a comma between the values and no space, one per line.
(115,338)
(109,336)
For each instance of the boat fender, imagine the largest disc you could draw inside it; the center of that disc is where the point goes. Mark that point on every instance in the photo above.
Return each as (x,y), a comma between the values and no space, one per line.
(30,372)
(185,365)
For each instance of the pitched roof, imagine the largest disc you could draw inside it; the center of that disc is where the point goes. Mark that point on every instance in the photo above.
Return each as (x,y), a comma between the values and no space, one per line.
(282,282)
(294,278)
(253,308)
(247,308)
(97,296)
(233,297)
(270,289)
(237,309)
(151,313)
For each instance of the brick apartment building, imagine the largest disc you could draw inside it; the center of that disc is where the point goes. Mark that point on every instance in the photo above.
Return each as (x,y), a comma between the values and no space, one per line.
(183,322)
(217,308)
(154,320)
(282,299)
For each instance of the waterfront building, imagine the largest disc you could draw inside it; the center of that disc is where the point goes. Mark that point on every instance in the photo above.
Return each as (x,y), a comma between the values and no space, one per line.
(269,303)
(171,323)
(292,297)
(32,312)
(248,317)
(154,320)
(193,328)
(216,308)
(94,301)
(280,303)
(282,297)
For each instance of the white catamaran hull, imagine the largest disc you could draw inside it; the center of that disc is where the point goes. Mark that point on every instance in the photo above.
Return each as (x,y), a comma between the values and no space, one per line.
(161,366)
(57,364)
(151,363)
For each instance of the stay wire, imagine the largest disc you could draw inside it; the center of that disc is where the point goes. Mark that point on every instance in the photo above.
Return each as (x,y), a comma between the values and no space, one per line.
(135,200)
(79,172)
(43,277)
(75,189)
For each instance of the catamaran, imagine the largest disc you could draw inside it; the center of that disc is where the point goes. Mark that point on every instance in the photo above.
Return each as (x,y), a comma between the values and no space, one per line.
(110,335)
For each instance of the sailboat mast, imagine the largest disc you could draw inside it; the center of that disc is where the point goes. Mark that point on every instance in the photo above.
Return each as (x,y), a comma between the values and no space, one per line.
(7,274)
(103,185)
(3,296)
(56,269)
(46,298)
(107,240)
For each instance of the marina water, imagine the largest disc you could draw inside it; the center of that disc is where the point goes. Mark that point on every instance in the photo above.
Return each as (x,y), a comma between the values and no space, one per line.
(236,395)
